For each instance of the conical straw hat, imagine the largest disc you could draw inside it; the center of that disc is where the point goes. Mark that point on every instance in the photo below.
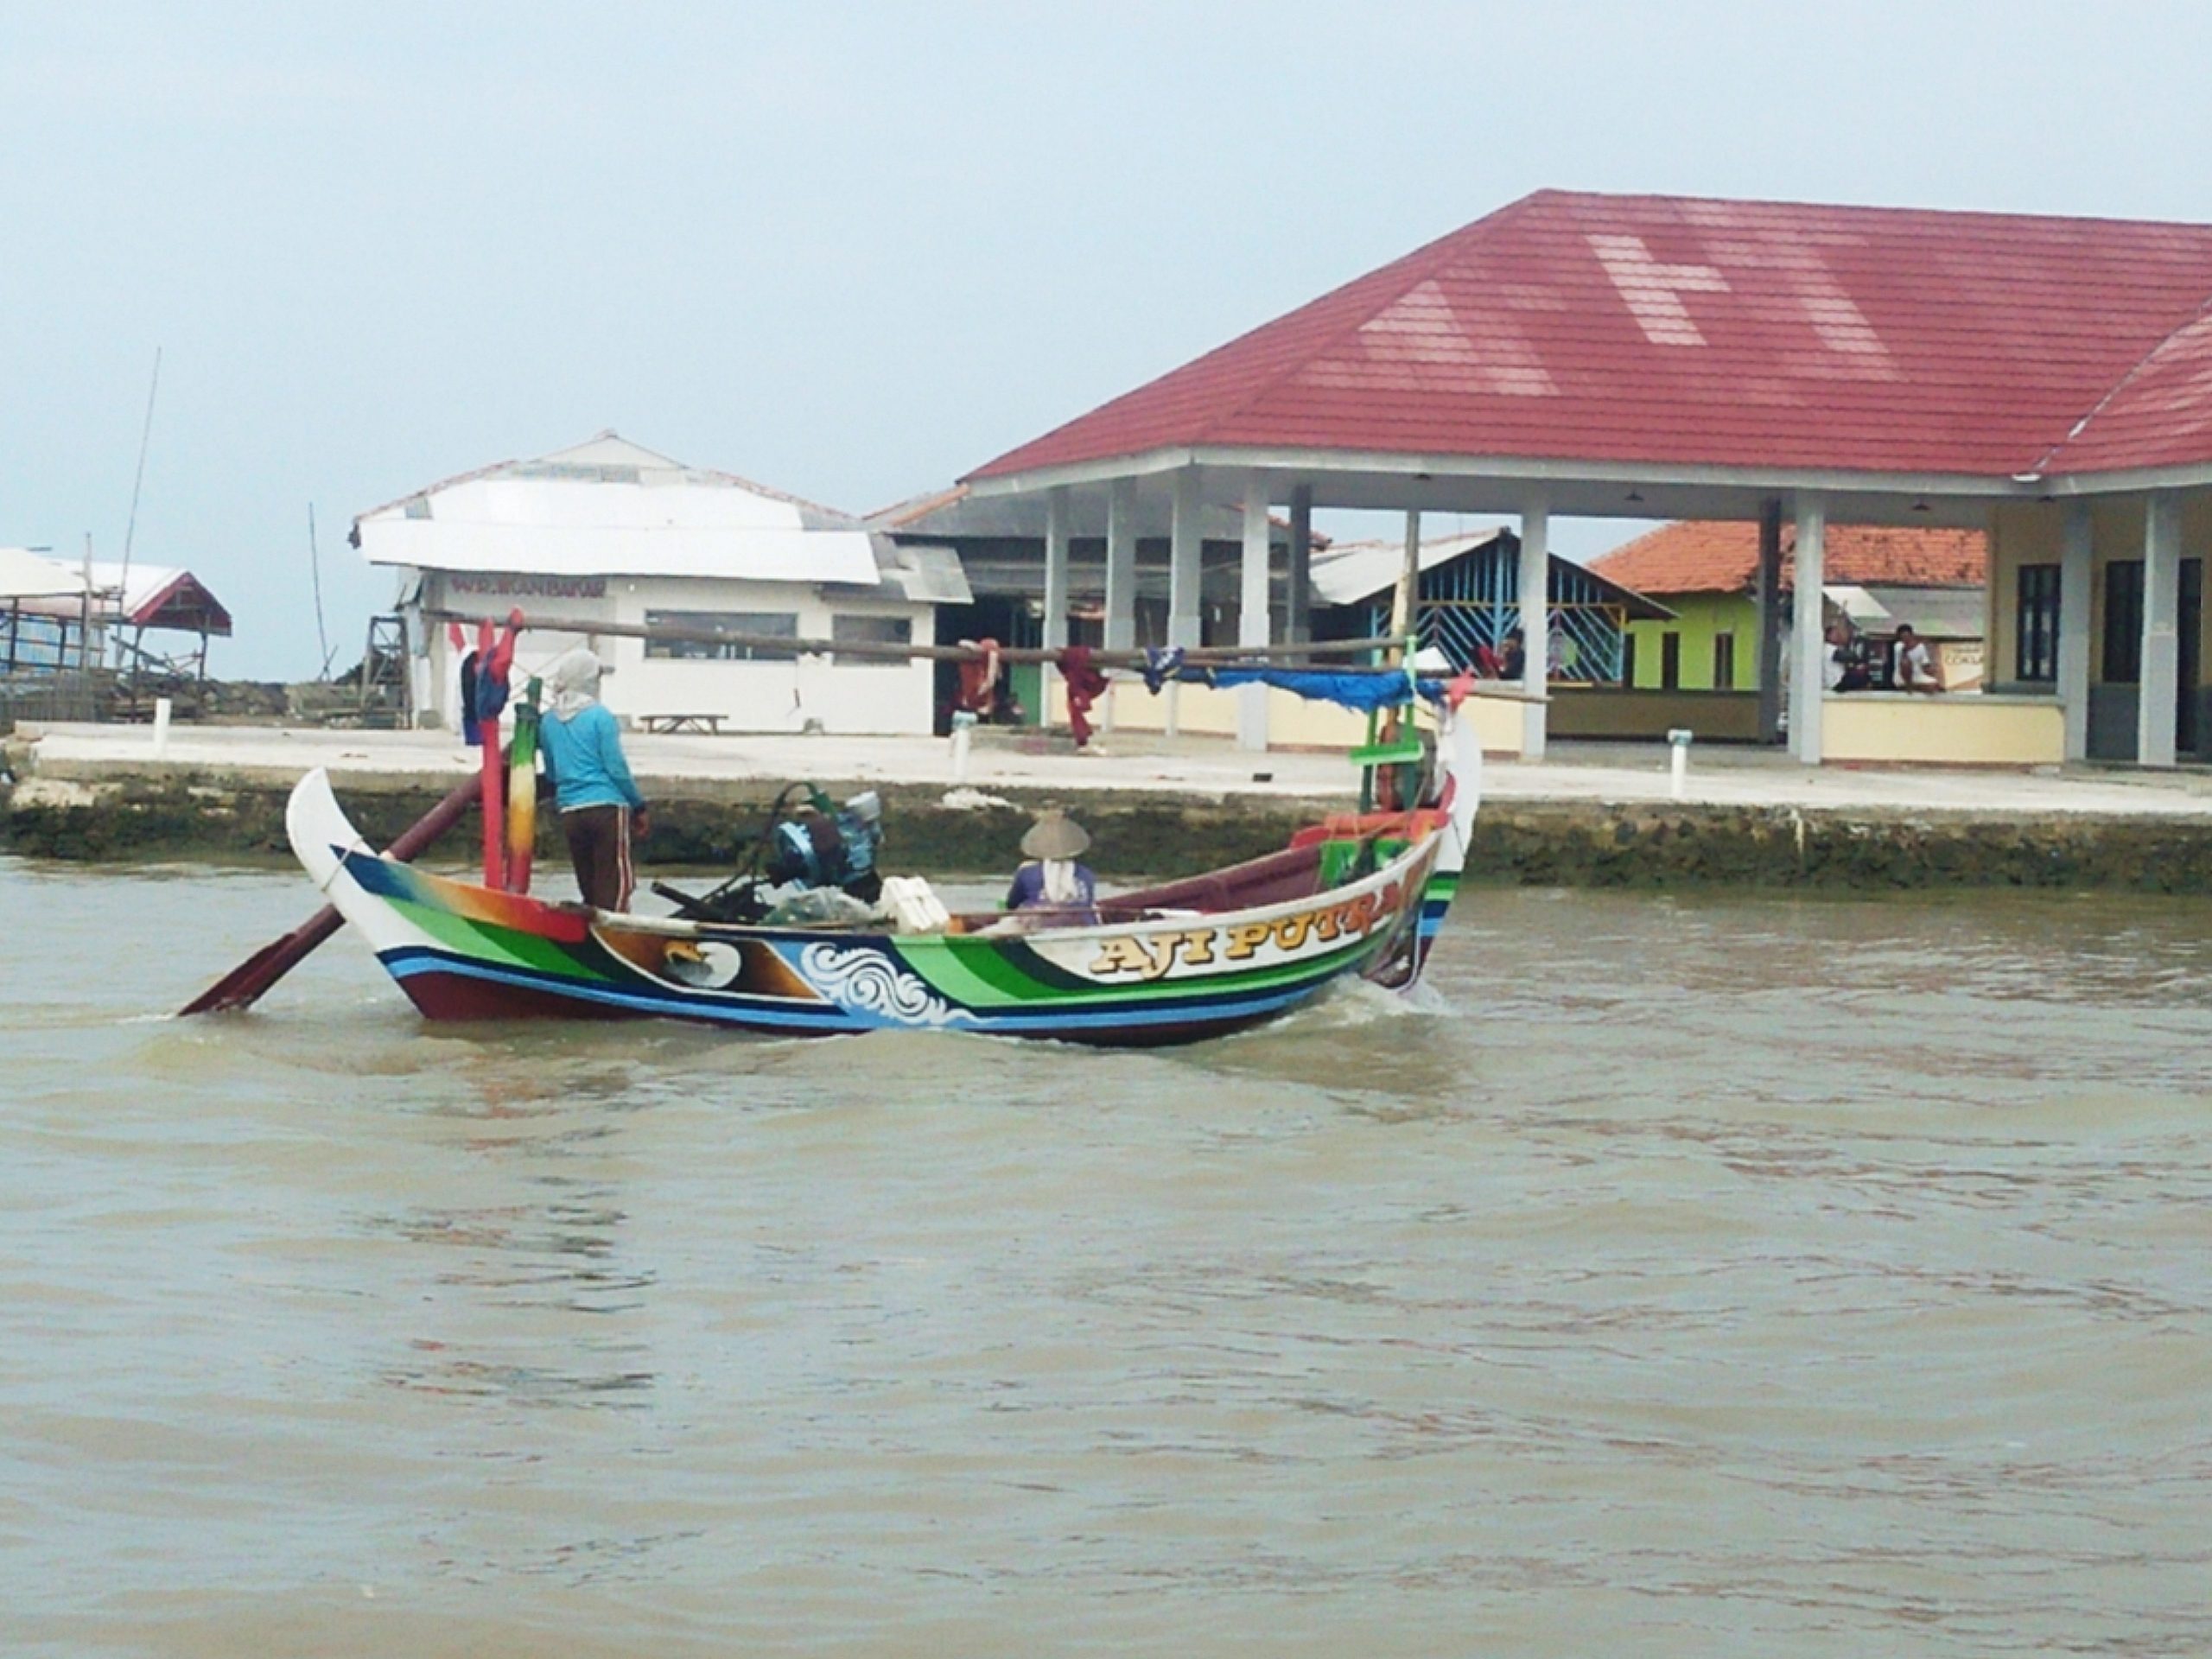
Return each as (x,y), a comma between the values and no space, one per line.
(1055,835)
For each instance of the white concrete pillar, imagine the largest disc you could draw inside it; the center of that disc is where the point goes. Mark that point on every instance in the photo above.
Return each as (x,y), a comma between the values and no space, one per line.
(2076,556)
(1056,594)
(1252,621)
(1121,629)
(1298,577)
(1186,546)
(1535,622)
(1186,536)
(1808,645)
(2154,708)
(1122,564)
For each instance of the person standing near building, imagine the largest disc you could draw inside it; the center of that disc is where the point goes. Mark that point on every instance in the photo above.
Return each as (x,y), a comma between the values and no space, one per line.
(601,807)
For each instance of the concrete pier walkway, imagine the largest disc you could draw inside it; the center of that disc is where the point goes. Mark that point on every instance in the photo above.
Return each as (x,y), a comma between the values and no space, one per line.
(1029,762)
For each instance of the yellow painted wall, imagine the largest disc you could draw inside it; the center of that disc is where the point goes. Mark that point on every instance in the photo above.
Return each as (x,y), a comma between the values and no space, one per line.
(1608,711)
(1973,730)
(1293,722)
(2034,533)
(1700,619)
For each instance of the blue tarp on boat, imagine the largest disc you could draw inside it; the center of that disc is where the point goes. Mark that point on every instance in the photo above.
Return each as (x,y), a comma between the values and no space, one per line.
(1365,692)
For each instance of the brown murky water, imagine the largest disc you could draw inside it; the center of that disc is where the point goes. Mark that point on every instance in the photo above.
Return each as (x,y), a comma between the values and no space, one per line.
(1697,1277)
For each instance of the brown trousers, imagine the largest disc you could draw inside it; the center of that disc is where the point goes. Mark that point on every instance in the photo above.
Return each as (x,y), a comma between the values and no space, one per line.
(599,846)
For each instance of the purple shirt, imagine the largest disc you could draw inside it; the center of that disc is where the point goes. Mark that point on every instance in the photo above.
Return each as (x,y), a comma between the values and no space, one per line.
(1028,892)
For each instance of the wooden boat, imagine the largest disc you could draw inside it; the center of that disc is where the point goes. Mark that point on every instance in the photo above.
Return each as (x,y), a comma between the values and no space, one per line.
(1357,894)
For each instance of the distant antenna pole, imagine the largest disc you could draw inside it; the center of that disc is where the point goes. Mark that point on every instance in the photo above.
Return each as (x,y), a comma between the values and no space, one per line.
(314,564)
(145,436)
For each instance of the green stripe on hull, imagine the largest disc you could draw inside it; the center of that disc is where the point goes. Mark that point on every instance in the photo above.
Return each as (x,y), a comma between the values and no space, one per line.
(955,973)
(488,942)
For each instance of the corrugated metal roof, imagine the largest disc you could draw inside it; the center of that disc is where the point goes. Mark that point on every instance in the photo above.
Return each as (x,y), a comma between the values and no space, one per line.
(1670,330)
(26,574)
(1939,612)
(1351,571)
(1355,570)
(957,513)
(162,596)
(1711,556)
(610,507)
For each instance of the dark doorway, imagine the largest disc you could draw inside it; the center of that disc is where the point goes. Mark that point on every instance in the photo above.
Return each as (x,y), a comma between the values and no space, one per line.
(1670,660)
(993,616)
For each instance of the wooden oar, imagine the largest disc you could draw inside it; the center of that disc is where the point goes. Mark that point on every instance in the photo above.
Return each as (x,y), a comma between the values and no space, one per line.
(244,984)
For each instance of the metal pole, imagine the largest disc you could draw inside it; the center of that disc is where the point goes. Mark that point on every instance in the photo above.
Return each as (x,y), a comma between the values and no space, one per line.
(1769,609)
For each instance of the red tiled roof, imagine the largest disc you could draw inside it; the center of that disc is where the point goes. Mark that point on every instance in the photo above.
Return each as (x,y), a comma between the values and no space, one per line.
(1702,557)
(1681,331)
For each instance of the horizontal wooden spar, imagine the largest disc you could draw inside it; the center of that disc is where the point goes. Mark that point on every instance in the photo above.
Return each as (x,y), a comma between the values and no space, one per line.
(787,645)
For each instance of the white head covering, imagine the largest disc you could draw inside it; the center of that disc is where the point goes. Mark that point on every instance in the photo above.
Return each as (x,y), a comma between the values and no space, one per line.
(572,682)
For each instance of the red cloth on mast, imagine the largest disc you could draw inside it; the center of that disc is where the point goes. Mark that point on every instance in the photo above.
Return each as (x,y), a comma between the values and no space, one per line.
(1085,686)
(979,678)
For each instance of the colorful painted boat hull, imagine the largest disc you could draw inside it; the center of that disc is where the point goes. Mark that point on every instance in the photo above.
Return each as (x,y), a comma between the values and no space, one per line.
(463,952)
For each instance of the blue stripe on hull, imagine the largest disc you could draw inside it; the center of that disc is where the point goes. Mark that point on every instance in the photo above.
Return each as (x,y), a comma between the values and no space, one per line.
(1196,1013)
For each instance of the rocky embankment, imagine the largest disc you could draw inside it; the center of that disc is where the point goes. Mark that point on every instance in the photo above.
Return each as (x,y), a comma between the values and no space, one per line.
(704,825)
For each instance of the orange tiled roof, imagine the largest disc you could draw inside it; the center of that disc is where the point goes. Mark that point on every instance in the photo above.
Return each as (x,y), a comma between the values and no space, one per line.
(1703,556)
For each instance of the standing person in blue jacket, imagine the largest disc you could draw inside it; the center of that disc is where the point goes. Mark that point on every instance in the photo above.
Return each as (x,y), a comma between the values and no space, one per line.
(599,805)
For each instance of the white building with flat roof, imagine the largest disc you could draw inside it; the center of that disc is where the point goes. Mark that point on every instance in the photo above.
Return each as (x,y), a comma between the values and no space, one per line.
(607,532)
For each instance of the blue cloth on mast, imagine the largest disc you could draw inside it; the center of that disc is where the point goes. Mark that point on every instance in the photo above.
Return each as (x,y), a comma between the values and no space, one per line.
(1364,692)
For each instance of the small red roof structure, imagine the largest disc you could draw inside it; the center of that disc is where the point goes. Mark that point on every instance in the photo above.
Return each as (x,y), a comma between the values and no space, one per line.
(1682,333)
(1719,557)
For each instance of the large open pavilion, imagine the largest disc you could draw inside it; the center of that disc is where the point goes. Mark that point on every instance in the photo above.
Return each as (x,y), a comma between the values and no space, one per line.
(2048,380)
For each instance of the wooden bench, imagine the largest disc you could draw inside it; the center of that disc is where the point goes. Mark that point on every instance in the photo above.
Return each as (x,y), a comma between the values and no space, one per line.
(666,725)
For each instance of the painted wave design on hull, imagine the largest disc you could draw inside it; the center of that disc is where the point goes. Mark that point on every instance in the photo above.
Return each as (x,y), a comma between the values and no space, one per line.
(865,981)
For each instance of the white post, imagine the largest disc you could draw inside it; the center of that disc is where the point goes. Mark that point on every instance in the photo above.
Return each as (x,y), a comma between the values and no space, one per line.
(1056,594)
(2076,556)
(963,727)
(1678,761)
(1535,622)
(1808,690)
(1185,540)
(1120,575)
(1185,535)
(161,726)
(2154,708)
(1252,621)
(1122,564)
(1297,576)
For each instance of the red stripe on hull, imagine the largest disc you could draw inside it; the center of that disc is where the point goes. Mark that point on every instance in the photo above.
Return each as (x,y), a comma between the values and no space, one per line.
(464,996)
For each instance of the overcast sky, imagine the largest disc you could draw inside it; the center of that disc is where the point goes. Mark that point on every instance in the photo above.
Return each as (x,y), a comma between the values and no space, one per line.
(852,251)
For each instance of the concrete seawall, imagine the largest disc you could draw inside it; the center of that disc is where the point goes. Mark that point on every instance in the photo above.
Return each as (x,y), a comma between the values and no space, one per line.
(706,823)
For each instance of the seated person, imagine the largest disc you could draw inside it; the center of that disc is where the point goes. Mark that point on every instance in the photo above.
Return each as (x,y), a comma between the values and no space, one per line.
(1858,673)
(832,848)
(1513,660)
(1912,668)
(1051,879)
